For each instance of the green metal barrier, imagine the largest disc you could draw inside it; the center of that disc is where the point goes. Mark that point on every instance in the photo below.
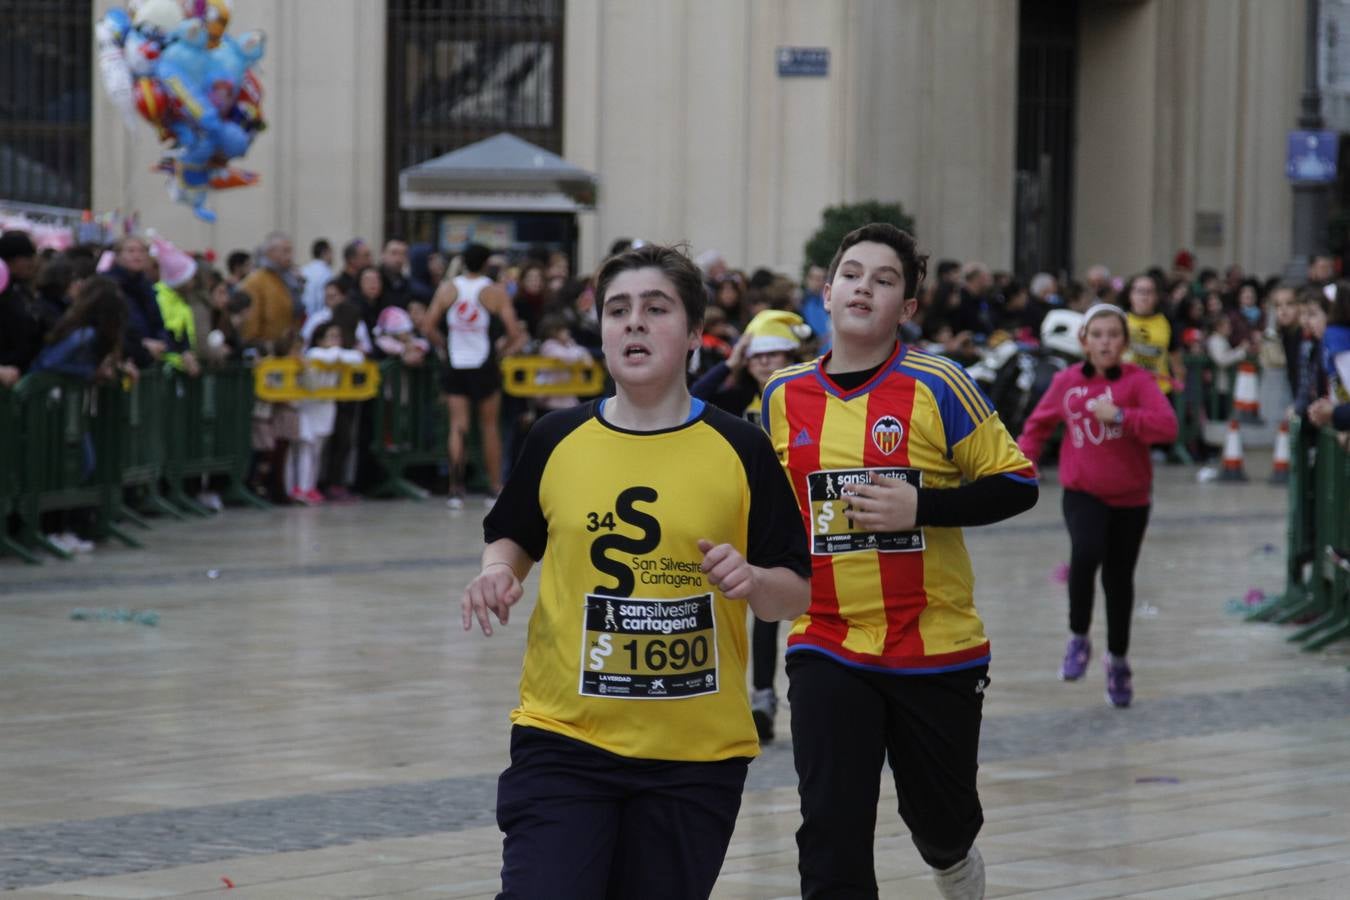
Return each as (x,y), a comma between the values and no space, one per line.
(208,433)
(1192,404)
(136,432)
(409,427)
(1201,380)
(1318,558)
(67,456)
(10,484)
(1295,600)
(1187,429)
(1330,572)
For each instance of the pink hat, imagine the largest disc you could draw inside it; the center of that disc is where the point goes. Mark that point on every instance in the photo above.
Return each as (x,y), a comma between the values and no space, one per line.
(4,275)
(106,261)
(392,325)
(175,266)
(393,320)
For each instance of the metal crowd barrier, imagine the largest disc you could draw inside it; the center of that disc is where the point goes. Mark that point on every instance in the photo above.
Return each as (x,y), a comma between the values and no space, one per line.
(1317,585)
(210,434)
(9,473)
(543,376)
(283,380)
(66,444)
(62,430)
(135,451)
(409,426)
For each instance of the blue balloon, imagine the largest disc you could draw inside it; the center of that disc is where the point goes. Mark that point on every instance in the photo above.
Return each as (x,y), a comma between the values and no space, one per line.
(205,116)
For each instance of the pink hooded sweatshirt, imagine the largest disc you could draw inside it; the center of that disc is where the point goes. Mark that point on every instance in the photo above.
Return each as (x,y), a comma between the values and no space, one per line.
(1110,462)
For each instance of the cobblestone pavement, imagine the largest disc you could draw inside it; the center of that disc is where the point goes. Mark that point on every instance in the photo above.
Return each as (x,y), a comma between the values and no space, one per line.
(66,851)
(30,583)
(302,651)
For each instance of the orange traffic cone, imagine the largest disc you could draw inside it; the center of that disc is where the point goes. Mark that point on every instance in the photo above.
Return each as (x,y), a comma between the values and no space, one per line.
(1232,455)
(1279,472)
(1246,398)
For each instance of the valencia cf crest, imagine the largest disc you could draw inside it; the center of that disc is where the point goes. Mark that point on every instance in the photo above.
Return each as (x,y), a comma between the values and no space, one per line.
(887,432)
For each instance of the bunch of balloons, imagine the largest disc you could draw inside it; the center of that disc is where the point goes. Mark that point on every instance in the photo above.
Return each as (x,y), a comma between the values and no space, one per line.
(171,63)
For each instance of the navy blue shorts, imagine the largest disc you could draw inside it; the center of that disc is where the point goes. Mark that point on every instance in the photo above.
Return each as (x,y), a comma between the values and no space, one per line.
(584,823)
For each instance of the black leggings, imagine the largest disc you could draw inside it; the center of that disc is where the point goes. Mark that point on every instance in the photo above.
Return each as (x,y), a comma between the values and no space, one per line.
(339,446)
(763,653)
(1108,537)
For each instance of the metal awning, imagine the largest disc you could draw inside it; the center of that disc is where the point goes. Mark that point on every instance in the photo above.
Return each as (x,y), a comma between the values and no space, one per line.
(500,174)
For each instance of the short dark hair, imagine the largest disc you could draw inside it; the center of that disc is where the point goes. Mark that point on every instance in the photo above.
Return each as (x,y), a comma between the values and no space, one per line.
(475,258)
(16,245)
(323,328)
(672,263)
(319,248)
(56,277)
(913,263)
(549,325)
(237,260)
(946,267)
(351,248)
(1126,288)
(761,278)
(1310,295)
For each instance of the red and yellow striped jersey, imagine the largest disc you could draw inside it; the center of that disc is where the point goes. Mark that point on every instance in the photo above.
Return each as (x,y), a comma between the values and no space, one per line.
(901,602)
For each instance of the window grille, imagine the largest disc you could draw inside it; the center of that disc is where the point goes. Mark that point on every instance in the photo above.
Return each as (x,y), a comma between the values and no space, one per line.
(46,49)
(460,71)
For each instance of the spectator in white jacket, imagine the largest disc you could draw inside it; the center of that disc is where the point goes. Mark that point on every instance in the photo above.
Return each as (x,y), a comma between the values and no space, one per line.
(317,273)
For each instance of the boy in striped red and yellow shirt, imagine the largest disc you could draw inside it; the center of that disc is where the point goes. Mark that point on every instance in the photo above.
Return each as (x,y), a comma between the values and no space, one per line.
(891,451)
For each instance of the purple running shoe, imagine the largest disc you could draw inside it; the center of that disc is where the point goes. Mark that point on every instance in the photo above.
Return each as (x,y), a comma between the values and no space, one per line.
(1119,686)
(1076,656)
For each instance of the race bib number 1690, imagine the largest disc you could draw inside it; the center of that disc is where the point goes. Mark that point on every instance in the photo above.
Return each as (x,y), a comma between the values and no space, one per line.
(648,649)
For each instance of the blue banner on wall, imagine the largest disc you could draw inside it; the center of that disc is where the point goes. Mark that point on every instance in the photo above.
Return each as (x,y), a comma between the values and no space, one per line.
(811,62)
(1312,156)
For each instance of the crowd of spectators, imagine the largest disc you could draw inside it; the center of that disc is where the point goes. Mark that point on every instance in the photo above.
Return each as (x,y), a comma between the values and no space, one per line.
(112,312)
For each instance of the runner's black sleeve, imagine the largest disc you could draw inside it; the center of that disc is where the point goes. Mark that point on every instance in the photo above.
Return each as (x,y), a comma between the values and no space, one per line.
(982,502)
(775,537)
(1340,417)
(517,514)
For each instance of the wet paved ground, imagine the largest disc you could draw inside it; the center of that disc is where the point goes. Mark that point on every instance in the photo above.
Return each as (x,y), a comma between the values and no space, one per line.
(307,720)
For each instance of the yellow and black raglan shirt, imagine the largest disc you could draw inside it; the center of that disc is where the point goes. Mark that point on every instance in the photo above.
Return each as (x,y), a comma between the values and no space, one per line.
(1152,342)
(892,601)
(630,648)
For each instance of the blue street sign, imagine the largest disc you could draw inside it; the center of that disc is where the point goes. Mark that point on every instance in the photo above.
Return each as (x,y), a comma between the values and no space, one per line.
(1312,156)
(813,62)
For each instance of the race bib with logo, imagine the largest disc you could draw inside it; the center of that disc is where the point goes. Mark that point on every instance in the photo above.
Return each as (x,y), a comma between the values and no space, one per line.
(832,528)
(639,649)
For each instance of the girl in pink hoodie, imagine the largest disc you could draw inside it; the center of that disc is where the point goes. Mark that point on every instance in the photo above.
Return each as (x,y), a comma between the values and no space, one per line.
(1112,412)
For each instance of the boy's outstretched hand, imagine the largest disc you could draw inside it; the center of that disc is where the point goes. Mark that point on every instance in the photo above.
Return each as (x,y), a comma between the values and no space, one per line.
(496,588)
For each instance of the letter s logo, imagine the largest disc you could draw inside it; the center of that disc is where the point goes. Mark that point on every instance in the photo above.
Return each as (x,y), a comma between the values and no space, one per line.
(604,646)
(825,517)
(651,537)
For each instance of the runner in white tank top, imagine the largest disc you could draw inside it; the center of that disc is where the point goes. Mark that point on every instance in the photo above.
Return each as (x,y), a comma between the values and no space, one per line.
(472,383)
(467,321)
